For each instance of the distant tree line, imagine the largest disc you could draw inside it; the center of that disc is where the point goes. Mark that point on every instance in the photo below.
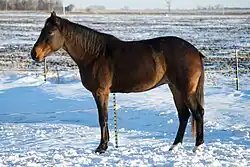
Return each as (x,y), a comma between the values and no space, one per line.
(210,7)
(95,7)
(49,5)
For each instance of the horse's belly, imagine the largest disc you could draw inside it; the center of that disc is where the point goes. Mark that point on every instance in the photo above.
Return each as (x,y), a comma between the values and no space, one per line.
(140,79)
(136,85)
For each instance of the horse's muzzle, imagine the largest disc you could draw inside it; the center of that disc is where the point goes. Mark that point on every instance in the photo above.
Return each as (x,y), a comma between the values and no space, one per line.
(33,54)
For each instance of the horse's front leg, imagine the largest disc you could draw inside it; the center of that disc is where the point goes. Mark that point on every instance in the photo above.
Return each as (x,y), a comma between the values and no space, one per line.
(101,99)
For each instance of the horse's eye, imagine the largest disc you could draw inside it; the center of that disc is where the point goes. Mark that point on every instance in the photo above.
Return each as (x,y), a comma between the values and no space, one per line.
(51,33)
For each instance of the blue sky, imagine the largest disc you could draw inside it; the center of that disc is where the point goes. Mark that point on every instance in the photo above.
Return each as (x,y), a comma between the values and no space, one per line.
(141,4)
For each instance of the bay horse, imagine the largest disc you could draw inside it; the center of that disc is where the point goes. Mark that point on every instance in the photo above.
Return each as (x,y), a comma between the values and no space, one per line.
(109,65)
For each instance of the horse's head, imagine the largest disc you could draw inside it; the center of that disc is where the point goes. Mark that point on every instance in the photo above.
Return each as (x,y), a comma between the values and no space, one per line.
(50,39)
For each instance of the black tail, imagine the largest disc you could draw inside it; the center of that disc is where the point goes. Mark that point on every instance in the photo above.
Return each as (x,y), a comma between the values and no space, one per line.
(200,87)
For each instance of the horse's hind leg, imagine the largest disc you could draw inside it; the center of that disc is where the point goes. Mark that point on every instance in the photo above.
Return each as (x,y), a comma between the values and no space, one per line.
(183,115)
(197,111)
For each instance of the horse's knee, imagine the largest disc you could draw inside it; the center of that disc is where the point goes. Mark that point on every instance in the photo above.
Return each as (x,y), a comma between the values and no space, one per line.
(198,115)
(183,115)
(201,109)
(103,124)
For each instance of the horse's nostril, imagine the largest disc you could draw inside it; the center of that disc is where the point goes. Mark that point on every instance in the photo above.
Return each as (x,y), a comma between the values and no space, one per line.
(33,54)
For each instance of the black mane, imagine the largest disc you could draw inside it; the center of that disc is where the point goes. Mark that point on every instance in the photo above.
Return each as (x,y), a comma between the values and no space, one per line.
(90,40)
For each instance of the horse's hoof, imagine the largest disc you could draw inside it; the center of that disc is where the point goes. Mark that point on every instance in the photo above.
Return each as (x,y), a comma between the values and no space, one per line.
(174,147)
(199,148)
(100,151)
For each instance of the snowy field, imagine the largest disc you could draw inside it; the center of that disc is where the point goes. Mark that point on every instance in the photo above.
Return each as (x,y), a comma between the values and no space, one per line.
(54,123)
(19,30)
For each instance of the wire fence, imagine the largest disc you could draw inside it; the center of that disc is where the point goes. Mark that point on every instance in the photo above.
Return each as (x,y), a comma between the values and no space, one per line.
(235,67)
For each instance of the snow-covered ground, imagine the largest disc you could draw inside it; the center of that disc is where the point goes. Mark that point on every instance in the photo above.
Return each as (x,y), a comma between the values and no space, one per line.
(55,124)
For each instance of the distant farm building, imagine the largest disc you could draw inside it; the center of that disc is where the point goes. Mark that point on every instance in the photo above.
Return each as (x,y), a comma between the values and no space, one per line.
(70,8)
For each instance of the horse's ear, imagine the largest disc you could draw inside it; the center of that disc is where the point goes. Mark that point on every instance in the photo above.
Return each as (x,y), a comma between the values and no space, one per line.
(54,18)
(53,14)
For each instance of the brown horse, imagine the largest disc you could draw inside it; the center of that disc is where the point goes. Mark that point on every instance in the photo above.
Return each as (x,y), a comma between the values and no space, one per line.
(107,64)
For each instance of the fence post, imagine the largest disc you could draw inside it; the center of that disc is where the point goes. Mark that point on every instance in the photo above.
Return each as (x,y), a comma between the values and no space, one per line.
(115,121)
(237,70)
(58,77)
(45,70)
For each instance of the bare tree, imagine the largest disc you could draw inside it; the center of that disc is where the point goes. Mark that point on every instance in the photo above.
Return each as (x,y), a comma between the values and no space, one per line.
(50,5)
(57,5)
(70,7)
(3,4)
(41,5)
(11,4)
(31,5)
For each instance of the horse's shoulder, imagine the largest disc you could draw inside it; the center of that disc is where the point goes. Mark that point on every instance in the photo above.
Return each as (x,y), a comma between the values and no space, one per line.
(111,45)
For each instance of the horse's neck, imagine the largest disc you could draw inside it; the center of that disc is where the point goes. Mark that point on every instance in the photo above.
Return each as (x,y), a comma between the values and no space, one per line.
(82,44)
